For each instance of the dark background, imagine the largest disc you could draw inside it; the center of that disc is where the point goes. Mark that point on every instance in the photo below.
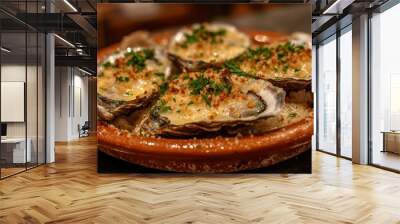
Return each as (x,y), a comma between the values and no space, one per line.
(117,20)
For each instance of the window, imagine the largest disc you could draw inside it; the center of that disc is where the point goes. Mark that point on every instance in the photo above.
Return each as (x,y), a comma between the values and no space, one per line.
(385,89)
(346,95)
(327,96)
(22,92)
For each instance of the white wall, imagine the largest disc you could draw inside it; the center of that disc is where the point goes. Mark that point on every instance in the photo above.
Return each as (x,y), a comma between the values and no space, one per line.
(61,103)
(71,93)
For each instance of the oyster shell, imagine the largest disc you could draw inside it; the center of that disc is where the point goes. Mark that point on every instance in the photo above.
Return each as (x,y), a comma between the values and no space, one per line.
(137,39)
(205,101)
(128,79)
(203,44)
(285,64)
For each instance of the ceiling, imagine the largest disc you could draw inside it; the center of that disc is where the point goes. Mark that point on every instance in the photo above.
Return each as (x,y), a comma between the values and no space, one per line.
(330,15)
(72,20)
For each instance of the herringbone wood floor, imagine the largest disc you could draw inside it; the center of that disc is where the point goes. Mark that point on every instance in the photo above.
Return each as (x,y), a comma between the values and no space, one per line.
(71,191)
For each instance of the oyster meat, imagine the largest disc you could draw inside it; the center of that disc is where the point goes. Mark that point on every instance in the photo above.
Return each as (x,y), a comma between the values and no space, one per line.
(129,79)
(286,64)
(203,44)
(205,101)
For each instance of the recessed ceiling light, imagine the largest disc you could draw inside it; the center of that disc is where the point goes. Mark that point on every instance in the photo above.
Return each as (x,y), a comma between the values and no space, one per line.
(64,40)
(5,50)
(84,71)
(337,7)
(70,5)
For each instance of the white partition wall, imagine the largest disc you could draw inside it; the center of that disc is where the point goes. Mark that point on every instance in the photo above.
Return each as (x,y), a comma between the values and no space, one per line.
(12,98)
(71,102)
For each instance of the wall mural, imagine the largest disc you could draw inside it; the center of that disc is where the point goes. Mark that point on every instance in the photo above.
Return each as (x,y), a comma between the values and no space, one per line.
(204,88)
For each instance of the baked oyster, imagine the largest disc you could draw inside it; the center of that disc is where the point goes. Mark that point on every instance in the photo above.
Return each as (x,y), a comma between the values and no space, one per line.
(203,44)
(286,64)
(205,101)
(129,79)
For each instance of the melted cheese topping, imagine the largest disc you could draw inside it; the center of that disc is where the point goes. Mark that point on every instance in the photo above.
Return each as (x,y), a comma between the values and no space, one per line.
(281,64)
(227,46)
(123,82)
(183,106)
(290,114)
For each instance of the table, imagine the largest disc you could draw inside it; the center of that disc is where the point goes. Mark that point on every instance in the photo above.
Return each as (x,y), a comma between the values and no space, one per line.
(16,148)
(391,141)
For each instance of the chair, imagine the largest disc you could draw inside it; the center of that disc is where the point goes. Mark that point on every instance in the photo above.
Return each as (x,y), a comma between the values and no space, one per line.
(84,130)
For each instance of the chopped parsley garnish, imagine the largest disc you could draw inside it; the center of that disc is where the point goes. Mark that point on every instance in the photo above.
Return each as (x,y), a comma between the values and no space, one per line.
(207,87)
(197,85)
(161,75)
(186,76)
(174,76)
(284,49)
(148,53)
(206,99)
(163,88)
(216,68)
(128,93)
(123,78)
(281,52)
(190,39)
(234,69)
(292,114)
(260,51)
(285,68)
(288,46)
(139,58)
(217,89)
(201,33)
(190,103)
(281,56)
(108,64)
(117,102)
(163,107)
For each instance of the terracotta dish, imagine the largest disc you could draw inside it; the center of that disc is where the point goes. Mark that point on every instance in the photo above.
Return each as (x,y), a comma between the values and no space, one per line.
(229,153)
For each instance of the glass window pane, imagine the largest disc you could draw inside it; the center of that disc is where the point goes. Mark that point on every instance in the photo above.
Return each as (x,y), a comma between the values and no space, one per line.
(345,94)
(385,84)
(327,96)
(13,86)
(32,97)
